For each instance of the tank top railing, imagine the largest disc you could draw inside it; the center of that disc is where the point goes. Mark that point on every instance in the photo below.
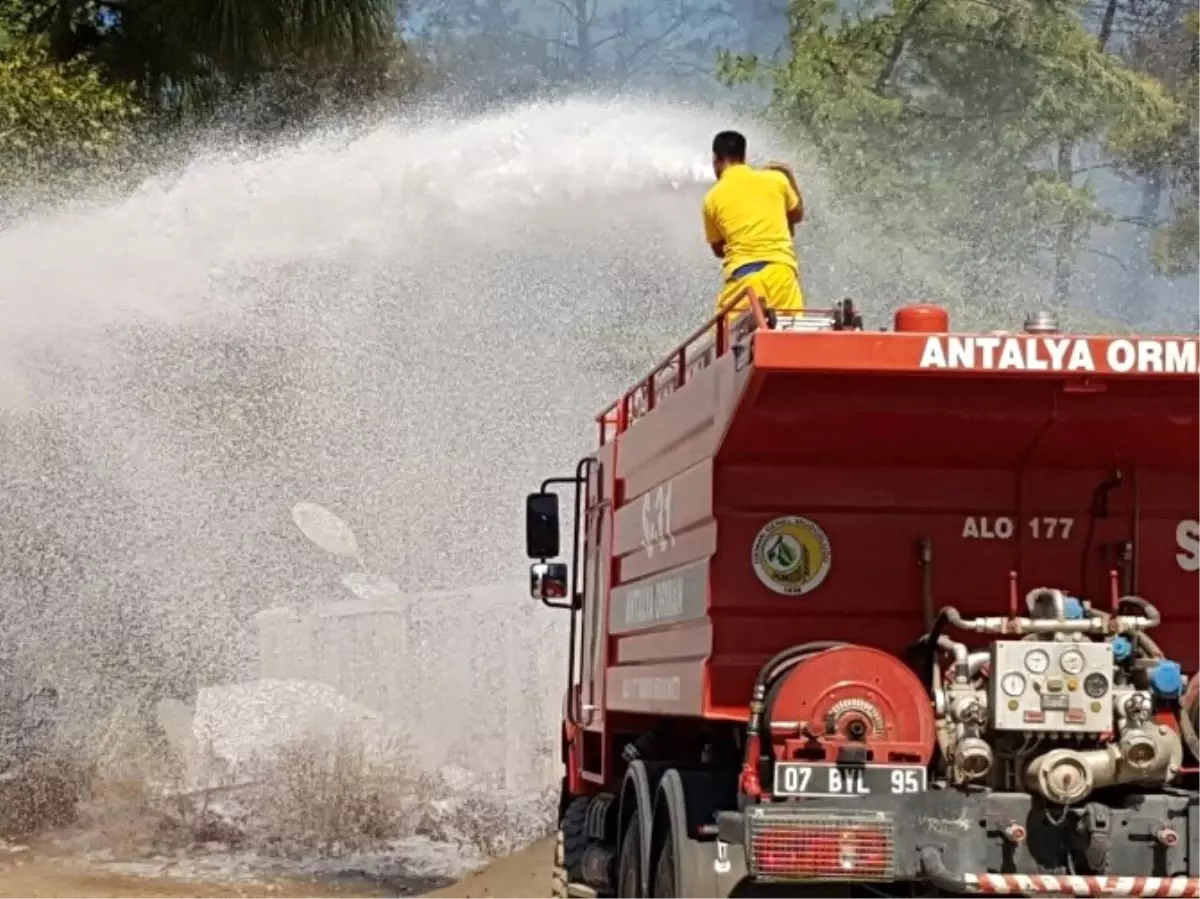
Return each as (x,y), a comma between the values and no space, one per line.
(707,344)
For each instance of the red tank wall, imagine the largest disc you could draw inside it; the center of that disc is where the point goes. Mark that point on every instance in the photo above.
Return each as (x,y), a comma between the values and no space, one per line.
(878,461)
(881,462)
(874,519)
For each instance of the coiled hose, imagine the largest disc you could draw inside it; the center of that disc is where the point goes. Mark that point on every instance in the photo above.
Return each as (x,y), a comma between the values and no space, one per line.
(768,675)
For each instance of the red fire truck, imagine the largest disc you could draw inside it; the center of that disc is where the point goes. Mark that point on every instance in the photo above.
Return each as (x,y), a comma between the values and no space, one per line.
(896,612)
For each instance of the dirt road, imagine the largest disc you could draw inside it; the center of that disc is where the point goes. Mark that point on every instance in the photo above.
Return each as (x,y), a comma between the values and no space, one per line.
(523,875)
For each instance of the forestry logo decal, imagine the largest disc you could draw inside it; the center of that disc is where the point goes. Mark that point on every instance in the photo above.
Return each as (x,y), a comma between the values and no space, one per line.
(792,556)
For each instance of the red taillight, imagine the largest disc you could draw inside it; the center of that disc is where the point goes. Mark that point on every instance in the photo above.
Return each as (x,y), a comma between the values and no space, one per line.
(797,845)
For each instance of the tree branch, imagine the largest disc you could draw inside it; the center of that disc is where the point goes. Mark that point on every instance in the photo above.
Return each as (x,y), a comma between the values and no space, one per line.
(1137,220)
(676,24)
(623,29)
(566,7)
(967,117)
(1106,255)
(893,57)
(1106,25)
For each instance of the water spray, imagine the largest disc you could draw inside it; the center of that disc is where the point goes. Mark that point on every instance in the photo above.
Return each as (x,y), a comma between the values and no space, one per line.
(411,322)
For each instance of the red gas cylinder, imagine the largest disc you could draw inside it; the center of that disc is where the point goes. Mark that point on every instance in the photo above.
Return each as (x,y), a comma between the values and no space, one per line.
(922,318)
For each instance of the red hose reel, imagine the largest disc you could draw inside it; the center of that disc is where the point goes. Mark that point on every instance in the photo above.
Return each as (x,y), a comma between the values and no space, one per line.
(851,699)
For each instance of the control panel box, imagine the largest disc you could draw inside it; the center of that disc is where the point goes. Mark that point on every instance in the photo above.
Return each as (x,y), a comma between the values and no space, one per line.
(1044,686)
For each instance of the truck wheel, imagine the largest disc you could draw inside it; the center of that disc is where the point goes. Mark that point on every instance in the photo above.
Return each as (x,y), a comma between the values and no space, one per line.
(665,886)
(629,868)
(569,848)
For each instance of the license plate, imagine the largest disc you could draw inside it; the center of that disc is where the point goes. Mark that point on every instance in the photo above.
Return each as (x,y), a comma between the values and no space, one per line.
(802,779)
(1055,702)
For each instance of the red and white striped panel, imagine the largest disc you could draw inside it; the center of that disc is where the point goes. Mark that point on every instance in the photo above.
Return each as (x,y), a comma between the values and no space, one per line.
(1062,885)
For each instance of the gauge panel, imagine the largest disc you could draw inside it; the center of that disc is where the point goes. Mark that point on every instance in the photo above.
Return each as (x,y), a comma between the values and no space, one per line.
(1072,662)
(1013,683)
(1037,661)
(1049,686)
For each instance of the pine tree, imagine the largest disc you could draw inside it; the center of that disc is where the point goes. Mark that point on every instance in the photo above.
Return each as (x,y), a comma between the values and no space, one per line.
(955,122)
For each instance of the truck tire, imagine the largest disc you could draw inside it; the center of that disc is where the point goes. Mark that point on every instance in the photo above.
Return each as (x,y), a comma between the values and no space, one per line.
(695,865)
(569,847)
(629,866)
(682,864)
(665,886)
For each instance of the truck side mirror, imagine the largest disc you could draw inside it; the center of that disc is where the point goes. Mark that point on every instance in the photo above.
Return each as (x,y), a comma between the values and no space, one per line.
(541,525)
(548,581)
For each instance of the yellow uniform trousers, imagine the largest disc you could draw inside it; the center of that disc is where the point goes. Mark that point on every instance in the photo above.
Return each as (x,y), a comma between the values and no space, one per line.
(775,284)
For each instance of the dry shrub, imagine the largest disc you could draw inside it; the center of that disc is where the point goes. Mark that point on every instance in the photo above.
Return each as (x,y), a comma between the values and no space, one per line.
(48,790)
(40,795)
(124,816)
(131,818)
(490,824)
(114,785)
(319,796)
(334,795)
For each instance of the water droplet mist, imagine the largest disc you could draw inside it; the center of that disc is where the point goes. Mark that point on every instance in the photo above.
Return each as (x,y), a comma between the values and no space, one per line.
(410,326)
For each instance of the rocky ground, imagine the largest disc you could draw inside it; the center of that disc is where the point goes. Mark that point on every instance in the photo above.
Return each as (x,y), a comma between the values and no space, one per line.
(45,872)
(273,788)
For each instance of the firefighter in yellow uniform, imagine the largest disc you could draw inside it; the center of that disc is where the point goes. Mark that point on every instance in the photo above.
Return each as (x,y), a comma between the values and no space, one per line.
(750,216)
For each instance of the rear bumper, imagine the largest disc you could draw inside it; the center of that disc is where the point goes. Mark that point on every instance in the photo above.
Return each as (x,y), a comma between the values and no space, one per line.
(1054,884)
(980,843)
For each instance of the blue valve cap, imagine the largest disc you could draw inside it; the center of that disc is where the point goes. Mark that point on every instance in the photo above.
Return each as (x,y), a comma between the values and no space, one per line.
(1166,679)
(1122,648)
(1073,609)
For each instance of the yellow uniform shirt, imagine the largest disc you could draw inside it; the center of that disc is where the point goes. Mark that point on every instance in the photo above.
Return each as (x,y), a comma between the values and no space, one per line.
(747,208)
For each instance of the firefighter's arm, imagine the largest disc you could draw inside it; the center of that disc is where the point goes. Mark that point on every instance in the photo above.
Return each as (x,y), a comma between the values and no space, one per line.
(712,233)
(794,201)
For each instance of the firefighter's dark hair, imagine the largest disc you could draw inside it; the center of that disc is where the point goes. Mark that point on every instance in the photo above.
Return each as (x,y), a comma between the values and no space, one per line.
(729,146)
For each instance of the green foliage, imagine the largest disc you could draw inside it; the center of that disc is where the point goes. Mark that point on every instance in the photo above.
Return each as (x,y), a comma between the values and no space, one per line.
(55,117)
(185,41)
(946,117)
(207,53)
(76,76)
(188,56)
(1171,54)
(1173,247)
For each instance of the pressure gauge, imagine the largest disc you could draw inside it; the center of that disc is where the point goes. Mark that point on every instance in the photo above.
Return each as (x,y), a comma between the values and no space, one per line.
(1095,685)
(1037,661)
(1072,661)
(1013,683)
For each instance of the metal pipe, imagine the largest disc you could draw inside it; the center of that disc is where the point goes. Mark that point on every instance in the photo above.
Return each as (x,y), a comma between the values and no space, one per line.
(976,662)
(925,560)
(957,649)
(1067,776)
(1117,624)
(1137,533)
